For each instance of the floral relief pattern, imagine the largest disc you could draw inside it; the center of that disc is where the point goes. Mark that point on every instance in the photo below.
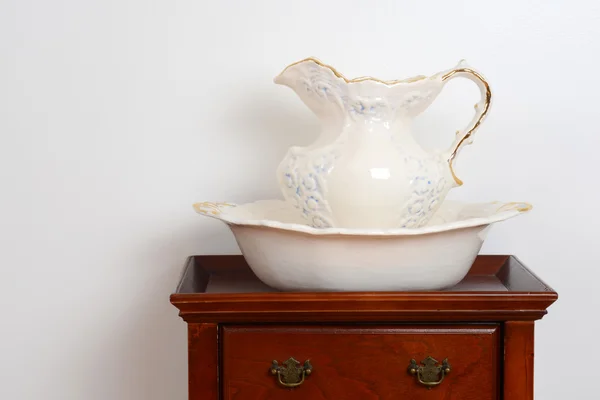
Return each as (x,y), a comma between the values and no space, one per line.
(303,178)
(424,200)
(322,84)
(303,173)
(428,186)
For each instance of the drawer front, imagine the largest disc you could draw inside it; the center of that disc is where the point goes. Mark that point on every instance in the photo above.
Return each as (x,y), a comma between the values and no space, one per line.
(350,362)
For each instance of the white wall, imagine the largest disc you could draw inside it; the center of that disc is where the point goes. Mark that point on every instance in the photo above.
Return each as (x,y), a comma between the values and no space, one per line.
(115,116)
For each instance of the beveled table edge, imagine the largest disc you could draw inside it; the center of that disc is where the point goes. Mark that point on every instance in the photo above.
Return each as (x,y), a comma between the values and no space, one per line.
(368,306)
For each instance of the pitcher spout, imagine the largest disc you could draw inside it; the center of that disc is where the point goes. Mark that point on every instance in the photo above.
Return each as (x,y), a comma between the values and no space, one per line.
(322,87)
(281,77)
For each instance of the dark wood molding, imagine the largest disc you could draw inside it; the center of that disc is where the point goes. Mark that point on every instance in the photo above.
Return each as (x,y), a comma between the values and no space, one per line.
(203,361)
(498,288)
(484,325)
(518,360)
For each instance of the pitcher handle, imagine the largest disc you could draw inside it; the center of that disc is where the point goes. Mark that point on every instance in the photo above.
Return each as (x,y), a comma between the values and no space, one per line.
(482,107)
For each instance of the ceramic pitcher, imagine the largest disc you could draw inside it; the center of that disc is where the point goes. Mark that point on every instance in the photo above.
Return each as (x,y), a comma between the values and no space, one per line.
(365,170)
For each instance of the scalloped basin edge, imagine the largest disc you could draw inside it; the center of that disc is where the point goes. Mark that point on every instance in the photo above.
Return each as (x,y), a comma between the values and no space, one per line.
(289,255)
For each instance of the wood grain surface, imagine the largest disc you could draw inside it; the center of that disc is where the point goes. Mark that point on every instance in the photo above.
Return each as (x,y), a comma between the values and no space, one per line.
(498,288)
(361,362)
(203,362)
(518,360)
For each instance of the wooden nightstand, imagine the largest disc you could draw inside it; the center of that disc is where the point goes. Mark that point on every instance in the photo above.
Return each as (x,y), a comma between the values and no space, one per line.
(250,342)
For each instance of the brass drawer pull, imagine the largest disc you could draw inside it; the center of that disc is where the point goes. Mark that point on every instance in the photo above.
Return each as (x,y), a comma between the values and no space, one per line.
(291,373)
(429,374)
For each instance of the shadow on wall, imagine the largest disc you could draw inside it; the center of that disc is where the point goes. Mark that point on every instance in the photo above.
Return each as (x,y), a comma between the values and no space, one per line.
(144,347)
(273,118)
(148,339)
(257,129)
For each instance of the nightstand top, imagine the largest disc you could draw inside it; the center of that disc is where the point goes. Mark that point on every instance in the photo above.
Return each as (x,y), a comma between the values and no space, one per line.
(222,288)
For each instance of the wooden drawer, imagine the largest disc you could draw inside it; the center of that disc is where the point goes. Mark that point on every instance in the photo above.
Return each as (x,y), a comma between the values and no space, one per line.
(361,362)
